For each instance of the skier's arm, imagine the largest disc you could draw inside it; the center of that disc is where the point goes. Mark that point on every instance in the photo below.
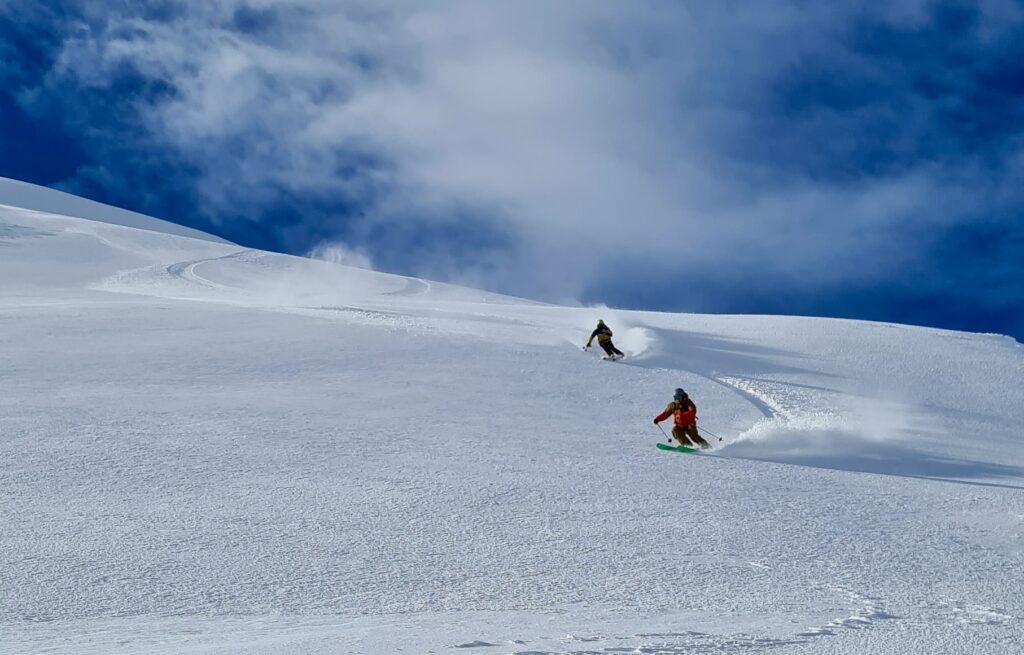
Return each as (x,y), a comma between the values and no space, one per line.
(591,339)
(664,415)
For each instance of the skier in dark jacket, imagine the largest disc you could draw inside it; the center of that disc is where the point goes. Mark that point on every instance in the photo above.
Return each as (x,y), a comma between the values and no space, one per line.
(604,339)
(684,413)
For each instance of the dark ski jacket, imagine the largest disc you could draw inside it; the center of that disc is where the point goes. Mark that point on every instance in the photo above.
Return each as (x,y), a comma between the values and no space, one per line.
(602,333)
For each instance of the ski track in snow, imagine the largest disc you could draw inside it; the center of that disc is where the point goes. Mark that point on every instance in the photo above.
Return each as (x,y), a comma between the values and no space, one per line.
(762,404)
(187,270)
(413,288)
(214,449)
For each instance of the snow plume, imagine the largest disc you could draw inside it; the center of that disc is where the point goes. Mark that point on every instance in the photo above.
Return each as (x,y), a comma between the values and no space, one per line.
(871,438)
(340,254)
(635,340)
(817,434)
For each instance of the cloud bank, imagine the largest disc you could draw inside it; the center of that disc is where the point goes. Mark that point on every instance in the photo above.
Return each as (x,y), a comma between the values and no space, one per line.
(735,156)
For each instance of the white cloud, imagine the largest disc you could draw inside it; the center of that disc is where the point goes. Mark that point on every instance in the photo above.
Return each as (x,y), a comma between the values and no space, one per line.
(590,132)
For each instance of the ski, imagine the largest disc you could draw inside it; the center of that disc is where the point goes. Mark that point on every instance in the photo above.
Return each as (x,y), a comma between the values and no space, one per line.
(678,449)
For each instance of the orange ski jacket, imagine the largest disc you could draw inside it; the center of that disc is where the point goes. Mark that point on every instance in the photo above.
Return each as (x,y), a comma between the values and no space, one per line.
(684,412)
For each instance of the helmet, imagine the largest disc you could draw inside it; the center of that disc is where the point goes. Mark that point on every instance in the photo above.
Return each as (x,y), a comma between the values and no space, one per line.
(679,394)
(600,321)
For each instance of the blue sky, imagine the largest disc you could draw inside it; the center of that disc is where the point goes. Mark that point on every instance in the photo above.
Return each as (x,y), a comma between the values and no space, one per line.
(749,157)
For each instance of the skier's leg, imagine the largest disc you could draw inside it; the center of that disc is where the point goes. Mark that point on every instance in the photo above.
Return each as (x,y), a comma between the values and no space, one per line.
(609,349)
(691,431)
(679,434)
(616,350)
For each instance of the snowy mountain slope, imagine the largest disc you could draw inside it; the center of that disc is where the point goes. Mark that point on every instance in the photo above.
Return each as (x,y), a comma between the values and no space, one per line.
(213,449)
(23,195)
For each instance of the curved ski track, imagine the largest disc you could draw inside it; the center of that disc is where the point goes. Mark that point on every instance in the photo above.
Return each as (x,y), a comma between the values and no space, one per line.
(187,270)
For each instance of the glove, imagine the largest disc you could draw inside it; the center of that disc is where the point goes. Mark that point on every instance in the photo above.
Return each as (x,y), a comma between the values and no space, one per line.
(655,421)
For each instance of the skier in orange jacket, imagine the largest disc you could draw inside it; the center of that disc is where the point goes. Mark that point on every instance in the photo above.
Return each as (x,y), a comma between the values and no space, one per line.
(685,414)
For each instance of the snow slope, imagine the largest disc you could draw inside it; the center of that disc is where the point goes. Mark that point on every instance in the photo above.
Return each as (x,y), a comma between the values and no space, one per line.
(30,196)
(211,449)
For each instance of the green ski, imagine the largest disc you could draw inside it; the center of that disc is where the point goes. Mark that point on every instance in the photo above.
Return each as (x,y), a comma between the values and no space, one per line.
(678,449)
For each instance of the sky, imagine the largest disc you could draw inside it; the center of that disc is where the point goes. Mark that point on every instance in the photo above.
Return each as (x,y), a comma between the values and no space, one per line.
(784,157)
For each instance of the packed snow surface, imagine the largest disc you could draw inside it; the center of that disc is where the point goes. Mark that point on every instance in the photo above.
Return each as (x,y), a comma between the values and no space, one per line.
(210,449)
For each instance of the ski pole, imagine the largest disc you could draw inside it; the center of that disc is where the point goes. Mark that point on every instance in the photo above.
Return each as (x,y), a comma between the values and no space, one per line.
(668,439)
(712,434)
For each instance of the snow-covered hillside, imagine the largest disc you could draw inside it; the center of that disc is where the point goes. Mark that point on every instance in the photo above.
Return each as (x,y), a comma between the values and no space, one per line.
(211,449)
